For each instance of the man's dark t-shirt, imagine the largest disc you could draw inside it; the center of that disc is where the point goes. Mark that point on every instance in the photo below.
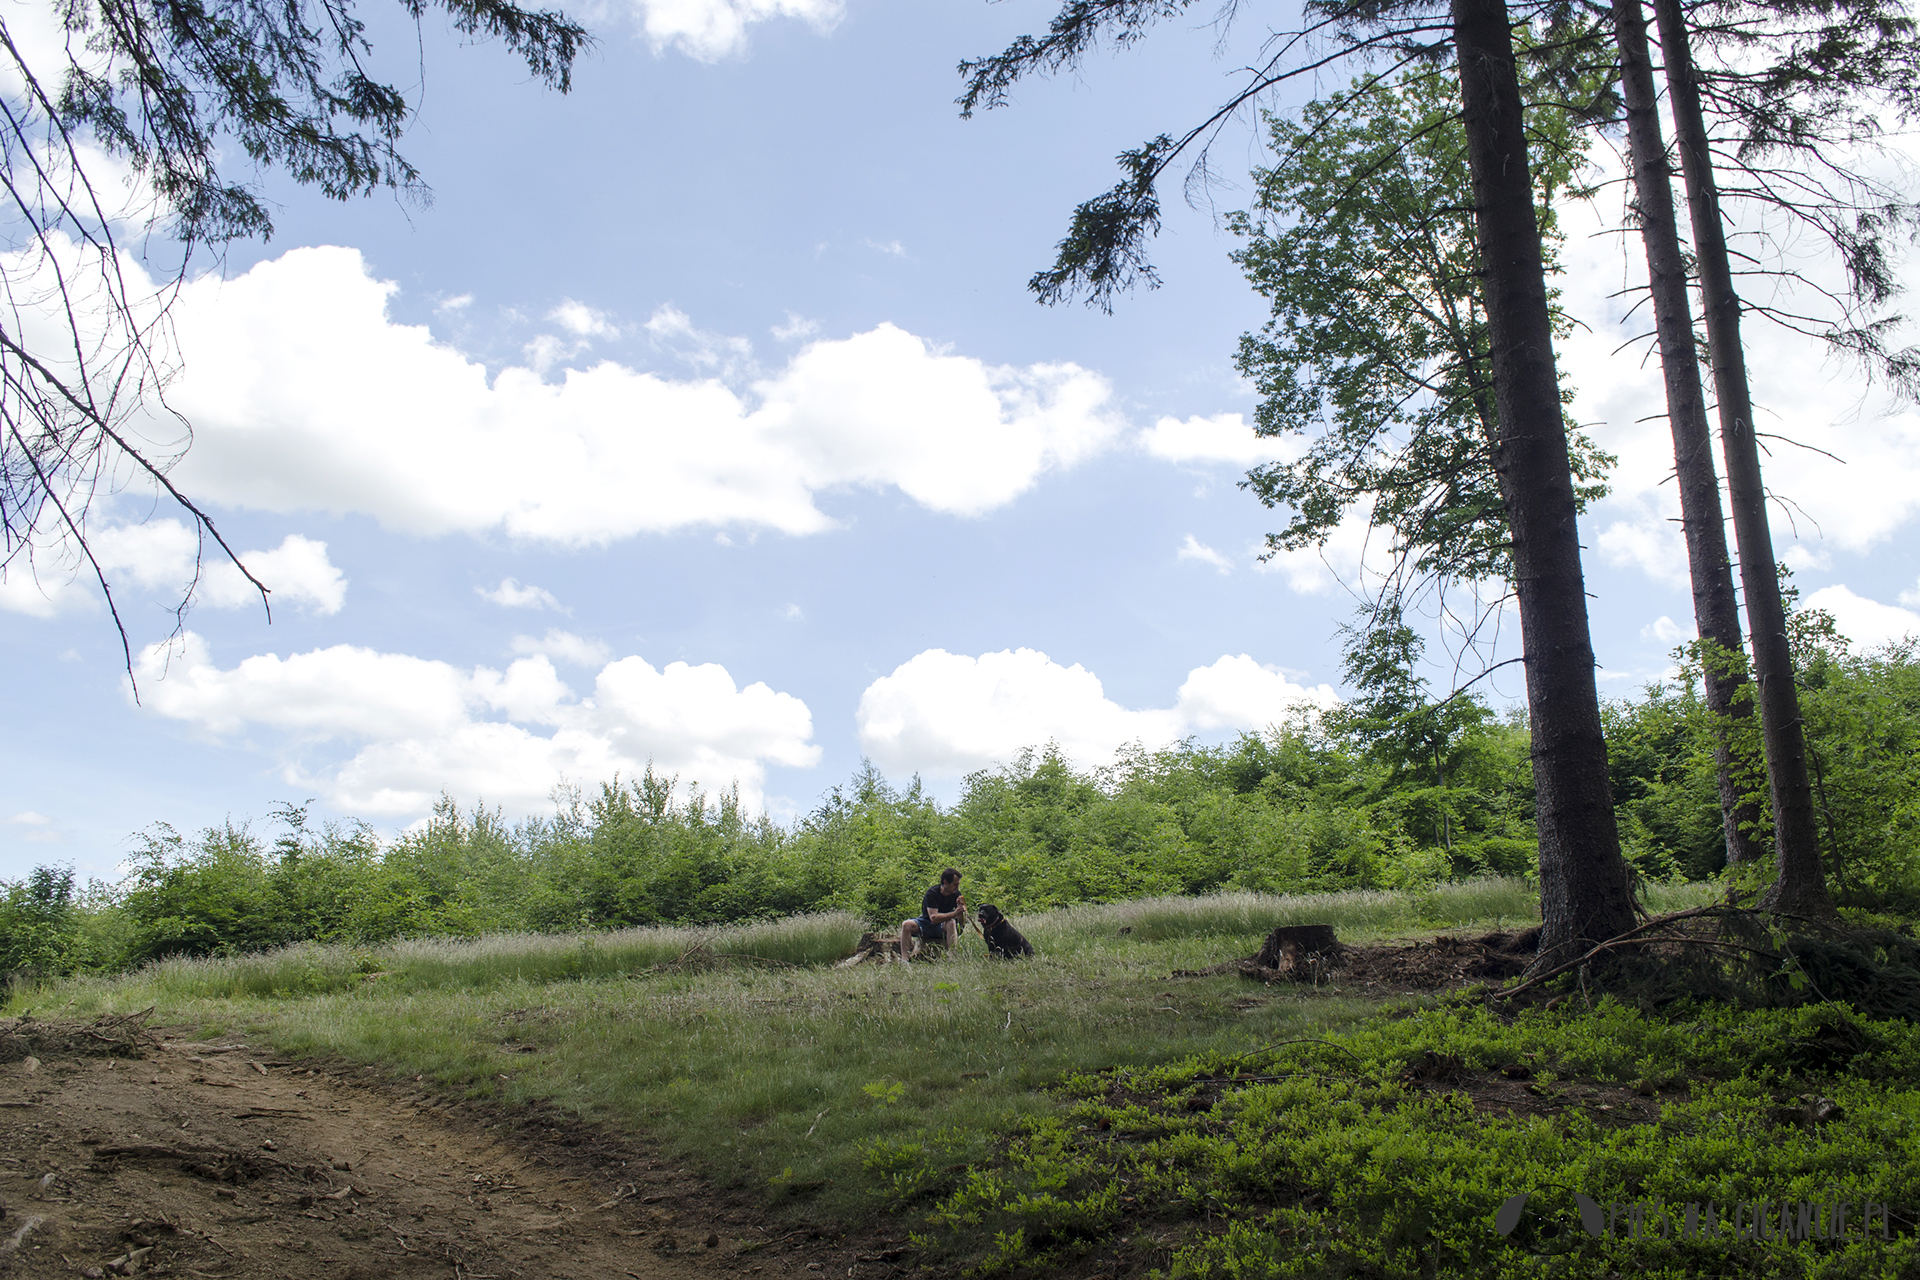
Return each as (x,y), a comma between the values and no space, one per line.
(938,899)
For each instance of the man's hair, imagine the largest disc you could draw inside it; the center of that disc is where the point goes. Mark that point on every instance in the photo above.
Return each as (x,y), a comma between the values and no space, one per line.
(949,876)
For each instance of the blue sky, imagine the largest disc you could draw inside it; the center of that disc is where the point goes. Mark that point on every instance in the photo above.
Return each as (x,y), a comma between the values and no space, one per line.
(702,417)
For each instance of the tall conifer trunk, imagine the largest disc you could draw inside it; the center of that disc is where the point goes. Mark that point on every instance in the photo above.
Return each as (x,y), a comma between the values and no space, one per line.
(1801,886)
(1716,609)
(1584,894)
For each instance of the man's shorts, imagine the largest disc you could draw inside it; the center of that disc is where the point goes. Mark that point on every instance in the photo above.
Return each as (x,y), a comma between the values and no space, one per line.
(929,931)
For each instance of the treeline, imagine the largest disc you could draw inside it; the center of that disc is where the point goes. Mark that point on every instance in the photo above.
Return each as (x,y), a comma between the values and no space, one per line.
(1348,799)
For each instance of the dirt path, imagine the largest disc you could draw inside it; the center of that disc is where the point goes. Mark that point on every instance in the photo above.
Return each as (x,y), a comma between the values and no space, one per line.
(126,1152)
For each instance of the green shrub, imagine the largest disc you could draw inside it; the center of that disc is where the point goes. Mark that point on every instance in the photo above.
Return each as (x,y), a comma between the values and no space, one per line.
(1327,1158)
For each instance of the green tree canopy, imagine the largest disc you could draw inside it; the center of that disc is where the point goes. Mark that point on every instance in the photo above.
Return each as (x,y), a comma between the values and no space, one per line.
(1377,351)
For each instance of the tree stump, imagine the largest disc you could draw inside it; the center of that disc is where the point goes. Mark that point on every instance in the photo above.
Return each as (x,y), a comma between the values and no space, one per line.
(1296,953)
(1303,938)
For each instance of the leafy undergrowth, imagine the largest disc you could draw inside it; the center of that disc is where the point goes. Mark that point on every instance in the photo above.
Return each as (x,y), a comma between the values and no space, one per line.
(1389,1150)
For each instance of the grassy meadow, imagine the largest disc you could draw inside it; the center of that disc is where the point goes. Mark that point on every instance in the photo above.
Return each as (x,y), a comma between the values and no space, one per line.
(745,1052)
(1088,1109)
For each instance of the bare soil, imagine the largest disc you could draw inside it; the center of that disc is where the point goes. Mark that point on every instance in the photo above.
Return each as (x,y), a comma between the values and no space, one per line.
(125,1150)
(1435,964)
(1441,962)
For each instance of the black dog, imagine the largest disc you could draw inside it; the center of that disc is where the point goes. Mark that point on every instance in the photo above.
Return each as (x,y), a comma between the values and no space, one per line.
(1003,940)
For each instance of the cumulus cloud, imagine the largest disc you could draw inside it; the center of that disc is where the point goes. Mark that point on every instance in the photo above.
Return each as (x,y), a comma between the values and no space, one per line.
(510,594)
(1665,630)
(160,556)
(583,321)
(1224,437)
(1868,623)
(565,646)
(423,441)
(295,572)
(945,714)
(1647,541)
(1854,501)
(418,726)
(1322,570)
(26,588)
(1194,549)
(1911,596)
(710,30)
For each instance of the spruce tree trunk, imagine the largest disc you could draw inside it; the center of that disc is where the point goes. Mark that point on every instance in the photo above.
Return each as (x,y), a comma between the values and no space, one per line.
(1800,887)
(1716,608)
(1584,894)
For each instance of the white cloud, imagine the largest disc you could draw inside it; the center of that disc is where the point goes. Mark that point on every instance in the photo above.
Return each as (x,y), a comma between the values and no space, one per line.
(1224,437)
(39,828)
(418,727)
(1868,623)
(159,556)
(713,29)
(1194,549)
(512,595)
(1665,630)
(718,354)
(946,714)
(583,321)
(1911,596)
(1799,391)
(1649,542)
(581,324)
(1343,560)
(155,555)
(39,591)
(793,613)
(295,572)
(422,440)
(1801,558)
(796,327)
(892,248)
(565,646)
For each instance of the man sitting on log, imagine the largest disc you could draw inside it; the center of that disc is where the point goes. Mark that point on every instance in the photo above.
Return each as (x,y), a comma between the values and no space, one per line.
(940,912)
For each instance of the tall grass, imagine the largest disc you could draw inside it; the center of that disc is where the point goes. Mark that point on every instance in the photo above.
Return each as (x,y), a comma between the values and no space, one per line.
(1211,927)
(1357,915)
(310,969)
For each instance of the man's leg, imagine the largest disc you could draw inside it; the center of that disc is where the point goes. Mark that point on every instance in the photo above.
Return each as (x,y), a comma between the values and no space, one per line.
(908,928)
(952,931)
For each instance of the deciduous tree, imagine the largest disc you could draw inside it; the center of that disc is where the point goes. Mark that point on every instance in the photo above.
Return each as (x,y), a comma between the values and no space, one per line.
(1584,885)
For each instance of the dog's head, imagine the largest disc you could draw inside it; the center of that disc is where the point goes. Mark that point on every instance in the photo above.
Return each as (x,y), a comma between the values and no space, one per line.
(990,915)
